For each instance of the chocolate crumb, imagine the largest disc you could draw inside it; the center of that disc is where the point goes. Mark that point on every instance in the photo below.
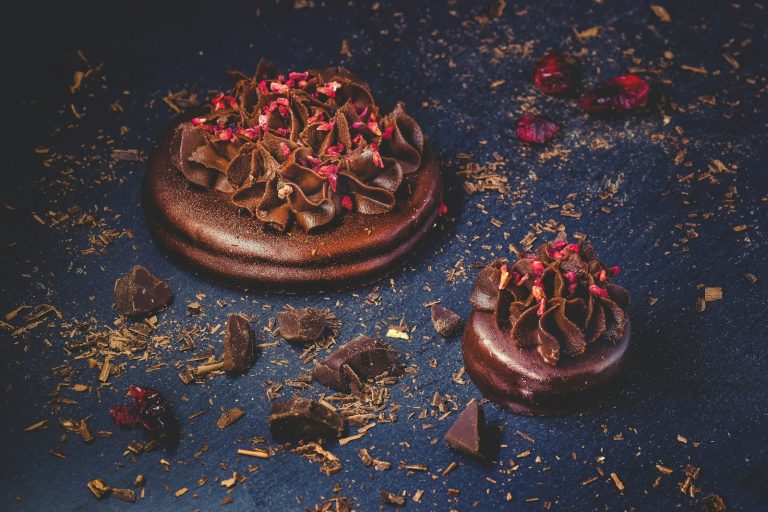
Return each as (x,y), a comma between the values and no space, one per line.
(139,292)
(239,341)
(301,418)
(446,322)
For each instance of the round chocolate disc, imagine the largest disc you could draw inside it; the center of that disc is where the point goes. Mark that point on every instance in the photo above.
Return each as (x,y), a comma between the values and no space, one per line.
(521,381)
(202,229)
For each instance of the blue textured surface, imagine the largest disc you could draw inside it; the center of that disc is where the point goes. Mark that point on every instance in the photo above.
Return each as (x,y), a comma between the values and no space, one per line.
(697,375)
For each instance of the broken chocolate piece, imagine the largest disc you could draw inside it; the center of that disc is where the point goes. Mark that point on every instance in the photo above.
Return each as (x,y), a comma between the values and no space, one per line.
(239,342)
(139,292)
(446,322)
(300,418)
(467,432)
(304,324)
(358,360)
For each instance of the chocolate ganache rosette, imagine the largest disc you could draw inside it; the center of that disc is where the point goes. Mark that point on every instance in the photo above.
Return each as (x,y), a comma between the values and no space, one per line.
(553,315)
(302,146)
(294,182)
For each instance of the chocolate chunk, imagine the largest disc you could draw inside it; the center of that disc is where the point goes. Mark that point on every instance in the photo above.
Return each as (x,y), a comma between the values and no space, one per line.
(238,344)
(467,432)
(139,292)
(446,322)
(300,418)
(360,359)
(305,324)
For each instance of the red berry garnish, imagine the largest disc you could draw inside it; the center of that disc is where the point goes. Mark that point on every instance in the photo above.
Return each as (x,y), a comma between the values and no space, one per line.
(536,129)
(625,92)
(554,74)
(150,409)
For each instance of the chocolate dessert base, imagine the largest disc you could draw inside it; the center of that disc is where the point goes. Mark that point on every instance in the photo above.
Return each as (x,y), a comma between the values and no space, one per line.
(520,380)
(205,232)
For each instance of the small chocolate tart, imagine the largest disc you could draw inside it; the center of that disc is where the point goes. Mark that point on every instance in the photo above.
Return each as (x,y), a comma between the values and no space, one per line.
(548,334)
(292,184)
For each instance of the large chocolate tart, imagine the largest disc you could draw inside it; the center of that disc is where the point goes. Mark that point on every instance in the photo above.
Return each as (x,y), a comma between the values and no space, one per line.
(549,333)
(320,193)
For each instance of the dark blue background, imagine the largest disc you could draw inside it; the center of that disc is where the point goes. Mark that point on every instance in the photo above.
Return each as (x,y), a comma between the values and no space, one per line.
(699,375)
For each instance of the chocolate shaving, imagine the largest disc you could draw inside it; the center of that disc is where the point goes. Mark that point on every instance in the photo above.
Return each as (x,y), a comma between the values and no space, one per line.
(140,292)
(229,417)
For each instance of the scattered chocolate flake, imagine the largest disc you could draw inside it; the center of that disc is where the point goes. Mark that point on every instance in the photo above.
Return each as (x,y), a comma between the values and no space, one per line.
(714,503)
(300,418)
(446,322)
(305,324)
(752,278)
(712,293)
(98,488)
(358,360)
(466,435)
(330,464)
(127,155)
(40,425)
(229,416)
(239,344)
(124,494)
(617,482)
(365,457)
(140,292)
(258,453)
(392,498)
(397,332)
(661,13)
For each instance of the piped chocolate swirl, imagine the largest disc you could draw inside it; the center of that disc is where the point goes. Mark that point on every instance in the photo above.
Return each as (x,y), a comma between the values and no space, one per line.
(303,147)
(559,300)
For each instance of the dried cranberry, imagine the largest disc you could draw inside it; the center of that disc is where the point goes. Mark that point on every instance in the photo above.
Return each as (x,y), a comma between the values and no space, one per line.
(554,74)
(536,129)
(625,92)
(150,409)
(125,415)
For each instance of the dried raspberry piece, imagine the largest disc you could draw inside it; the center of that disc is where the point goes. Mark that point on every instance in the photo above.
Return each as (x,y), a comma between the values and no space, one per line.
(554,74)
(625,92)
(125,415)
(150,409)
(536,129)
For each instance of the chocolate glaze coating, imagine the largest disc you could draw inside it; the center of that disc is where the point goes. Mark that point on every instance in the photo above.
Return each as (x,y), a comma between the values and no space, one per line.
(210,236)
(520,380)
